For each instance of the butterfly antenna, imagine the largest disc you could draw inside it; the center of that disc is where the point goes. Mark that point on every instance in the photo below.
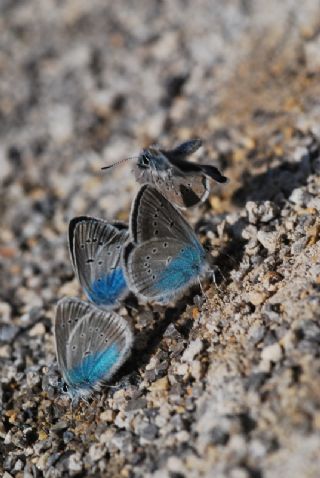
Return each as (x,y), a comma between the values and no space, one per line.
(119,162)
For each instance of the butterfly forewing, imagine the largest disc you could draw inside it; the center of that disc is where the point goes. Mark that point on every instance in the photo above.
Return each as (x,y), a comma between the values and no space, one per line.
(96,249)
(184,149)
(68,313)
(153,216)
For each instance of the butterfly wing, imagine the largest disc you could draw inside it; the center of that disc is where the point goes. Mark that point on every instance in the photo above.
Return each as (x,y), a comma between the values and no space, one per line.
(182,182)
(153,216)
(185,191)
(95,248)
(97,346)
(185,149)
(159,269)
(68,313)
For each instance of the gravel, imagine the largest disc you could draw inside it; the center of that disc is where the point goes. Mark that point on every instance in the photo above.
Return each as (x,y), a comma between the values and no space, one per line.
(224,386)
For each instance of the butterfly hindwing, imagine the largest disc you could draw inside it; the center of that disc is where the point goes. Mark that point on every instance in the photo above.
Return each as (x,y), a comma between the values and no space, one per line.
(95,247)
(91,351)
(160,269)
(186,191)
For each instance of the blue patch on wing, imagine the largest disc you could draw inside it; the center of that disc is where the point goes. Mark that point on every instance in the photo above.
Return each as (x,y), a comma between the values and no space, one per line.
(93,368)
(107,289)
(183,268)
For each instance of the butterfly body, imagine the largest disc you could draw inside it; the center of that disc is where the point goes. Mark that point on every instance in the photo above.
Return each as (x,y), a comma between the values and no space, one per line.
(164,256)
(95,249)
(91,345)
(182,182)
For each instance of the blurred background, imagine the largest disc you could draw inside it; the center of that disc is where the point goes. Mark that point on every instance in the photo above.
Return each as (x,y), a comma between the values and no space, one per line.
(84,84)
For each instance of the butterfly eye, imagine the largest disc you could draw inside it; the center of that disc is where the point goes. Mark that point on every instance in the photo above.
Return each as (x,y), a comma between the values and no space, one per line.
(145,160)
(65,387)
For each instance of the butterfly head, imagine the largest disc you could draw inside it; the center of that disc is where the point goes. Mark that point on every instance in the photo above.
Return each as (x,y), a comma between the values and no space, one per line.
(151,158)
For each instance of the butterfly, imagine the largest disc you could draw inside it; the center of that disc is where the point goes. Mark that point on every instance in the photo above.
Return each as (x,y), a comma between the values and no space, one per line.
(164,256)
(182,182)
(91,345)
(95,248)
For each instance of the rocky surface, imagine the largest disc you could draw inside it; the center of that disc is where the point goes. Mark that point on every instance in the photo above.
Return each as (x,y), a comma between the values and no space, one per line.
(223,387)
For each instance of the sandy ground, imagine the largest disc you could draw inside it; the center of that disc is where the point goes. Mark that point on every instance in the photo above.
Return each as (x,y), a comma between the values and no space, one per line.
(227,387)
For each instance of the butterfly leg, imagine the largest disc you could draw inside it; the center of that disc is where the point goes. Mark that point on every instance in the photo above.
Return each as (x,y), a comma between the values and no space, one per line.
(202,290)
(214,269)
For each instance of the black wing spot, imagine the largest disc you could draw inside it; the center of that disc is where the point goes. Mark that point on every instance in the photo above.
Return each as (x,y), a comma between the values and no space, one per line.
(100,263)
(155,223)
(118,247)
(100,243)
(149,271)
(148,258)
(101,335)
(154,250)
(97,328)
(94,239)
(87,352)
(189,197)
(146,264)
(69,321)
(153,277)
(156,232)
(82,246)
(74,347)
(171,224)
(109,253)
(165,244)
(88,261)
(82,335)
(88,241)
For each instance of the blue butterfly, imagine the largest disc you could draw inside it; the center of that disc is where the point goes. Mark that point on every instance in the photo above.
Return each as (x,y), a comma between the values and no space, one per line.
(95,248)
(164,256)
(184,183)
(91,345)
